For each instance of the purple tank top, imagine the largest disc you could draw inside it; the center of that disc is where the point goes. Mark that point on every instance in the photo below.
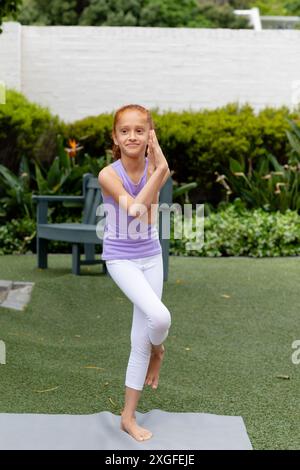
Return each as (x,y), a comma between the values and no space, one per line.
(127,237)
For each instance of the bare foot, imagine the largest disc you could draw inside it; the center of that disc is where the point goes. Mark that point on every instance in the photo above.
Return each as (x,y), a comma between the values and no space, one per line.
(154,367)
(130,426)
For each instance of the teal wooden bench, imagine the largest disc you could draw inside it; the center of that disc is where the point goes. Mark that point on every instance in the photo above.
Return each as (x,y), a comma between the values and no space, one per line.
(85,232)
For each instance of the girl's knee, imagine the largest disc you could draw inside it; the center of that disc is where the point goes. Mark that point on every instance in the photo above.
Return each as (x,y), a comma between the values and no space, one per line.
(162,321)
(167,319)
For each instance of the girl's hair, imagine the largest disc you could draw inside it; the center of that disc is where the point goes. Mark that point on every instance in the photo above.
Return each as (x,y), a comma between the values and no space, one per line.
(116,149)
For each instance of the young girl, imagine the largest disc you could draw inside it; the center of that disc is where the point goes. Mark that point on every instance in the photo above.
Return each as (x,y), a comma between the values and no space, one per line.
(130,188)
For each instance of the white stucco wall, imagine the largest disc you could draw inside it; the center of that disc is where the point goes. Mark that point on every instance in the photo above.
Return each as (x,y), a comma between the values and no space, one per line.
(80,71)
(10,55)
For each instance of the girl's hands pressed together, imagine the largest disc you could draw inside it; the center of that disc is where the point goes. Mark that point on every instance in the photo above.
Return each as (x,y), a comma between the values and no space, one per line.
(155,154)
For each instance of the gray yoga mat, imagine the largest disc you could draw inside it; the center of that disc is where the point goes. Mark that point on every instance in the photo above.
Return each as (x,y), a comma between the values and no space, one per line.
(171,431)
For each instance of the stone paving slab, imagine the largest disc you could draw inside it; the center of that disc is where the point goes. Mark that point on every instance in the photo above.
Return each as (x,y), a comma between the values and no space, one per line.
(15,295)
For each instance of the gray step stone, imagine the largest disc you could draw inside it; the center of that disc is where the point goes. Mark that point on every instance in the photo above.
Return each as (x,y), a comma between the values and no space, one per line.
(15,295)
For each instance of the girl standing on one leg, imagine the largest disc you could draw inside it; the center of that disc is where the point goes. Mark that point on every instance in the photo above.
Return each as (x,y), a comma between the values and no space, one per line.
(130,188)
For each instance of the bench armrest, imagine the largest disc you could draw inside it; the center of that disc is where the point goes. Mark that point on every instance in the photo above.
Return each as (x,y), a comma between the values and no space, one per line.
(42,204)
(49,198)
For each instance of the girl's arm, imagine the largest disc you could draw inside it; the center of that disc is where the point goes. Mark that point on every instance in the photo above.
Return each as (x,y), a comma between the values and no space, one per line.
(155,155)
(152,215)
(138,206)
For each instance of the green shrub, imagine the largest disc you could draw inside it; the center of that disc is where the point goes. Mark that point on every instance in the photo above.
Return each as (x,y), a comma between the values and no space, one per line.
(93,132)
(151,13)
(17,236)
(232,231)
(26,129)
(236,231)
(270,186)
(199,143)
(10,9)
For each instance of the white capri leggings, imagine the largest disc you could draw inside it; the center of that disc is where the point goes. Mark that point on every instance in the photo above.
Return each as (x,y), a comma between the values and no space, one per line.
(141,280)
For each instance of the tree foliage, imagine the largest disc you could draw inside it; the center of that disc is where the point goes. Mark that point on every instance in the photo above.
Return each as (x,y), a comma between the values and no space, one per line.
(159,13)
(8,8)
(277,7)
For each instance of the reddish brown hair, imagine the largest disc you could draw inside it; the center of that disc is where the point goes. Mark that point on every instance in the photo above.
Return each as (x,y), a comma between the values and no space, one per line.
(116,149)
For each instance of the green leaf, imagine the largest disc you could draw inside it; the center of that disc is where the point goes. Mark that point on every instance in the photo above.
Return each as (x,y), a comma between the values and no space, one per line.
(24,173)
(235,166)
(185,188)
(274,162)
(9,177)
(263,167)
(294,127)
(64,159)
(41,182)
(54,173)
(295,143)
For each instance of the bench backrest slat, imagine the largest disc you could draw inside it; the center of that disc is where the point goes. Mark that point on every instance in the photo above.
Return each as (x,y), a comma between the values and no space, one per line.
(97,201)
(92,183)
(89,198)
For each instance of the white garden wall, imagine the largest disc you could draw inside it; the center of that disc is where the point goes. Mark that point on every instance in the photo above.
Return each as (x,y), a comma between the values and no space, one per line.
(80,71)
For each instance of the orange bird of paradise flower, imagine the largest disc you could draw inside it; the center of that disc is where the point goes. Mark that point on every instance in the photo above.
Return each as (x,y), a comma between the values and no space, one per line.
(73,148)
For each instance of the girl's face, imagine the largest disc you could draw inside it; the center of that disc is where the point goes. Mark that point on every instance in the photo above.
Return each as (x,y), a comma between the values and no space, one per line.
(132,133)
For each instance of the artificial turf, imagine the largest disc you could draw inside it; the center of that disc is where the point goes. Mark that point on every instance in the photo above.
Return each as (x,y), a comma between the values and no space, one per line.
(229,349)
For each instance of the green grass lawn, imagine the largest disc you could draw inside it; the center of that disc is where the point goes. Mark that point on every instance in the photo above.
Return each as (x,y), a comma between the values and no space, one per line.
(233,324)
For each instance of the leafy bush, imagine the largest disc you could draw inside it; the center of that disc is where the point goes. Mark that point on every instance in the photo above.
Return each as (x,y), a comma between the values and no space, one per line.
(273,8)
(93,132)
(235,231)
(231,231)
(199,143)
(64,176)
(17,236)
(26,129)
(158,13)
(9,8)
(271,186)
